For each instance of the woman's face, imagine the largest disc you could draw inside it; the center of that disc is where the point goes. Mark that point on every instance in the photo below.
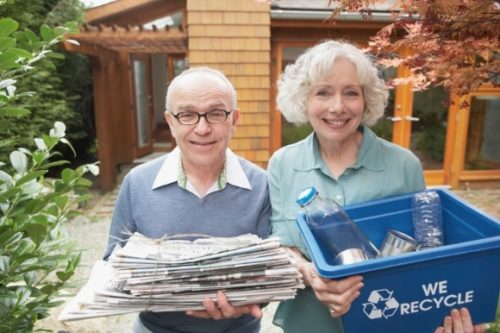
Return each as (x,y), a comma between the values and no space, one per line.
(336,103)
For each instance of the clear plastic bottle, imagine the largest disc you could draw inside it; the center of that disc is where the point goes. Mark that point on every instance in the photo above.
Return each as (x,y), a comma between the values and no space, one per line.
(333,228)
(427,219)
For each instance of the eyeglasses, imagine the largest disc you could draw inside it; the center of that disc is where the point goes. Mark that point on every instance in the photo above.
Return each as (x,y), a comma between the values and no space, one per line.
(192,118)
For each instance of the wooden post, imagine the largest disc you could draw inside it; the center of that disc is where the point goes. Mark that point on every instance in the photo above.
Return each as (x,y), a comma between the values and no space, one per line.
(107,176)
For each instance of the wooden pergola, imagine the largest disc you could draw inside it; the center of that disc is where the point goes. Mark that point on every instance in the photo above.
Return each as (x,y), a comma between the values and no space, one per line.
(112,33)
(99,40)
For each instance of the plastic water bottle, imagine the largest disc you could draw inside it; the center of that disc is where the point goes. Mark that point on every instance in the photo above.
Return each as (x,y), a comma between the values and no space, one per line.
(427,219)
(334,229)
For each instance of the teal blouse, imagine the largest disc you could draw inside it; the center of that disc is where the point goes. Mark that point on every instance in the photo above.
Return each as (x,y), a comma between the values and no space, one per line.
(382,169)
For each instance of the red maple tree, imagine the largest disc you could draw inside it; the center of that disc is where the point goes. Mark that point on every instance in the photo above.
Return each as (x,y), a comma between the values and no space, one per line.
(454,43)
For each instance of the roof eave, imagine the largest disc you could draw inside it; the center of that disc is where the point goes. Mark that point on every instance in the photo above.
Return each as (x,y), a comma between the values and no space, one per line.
(322,15)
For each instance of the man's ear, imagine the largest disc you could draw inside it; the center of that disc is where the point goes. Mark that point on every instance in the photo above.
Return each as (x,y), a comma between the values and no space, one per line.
(169,118)
(236,116)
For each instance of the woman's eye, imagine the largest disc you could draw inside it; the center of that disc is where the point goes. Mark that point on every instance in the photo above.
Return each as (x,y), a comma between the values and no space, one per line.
(322,93)
(352,93)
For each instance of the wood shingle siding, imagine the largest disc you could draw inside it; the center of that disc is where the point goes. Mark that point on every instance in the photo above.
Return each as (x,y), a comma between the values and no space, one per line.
(234,37)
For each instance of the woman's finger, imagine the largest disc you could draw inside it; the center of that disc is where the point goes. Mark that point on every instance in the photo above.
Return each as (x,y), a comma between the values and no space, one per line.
(457,321)
(466,321)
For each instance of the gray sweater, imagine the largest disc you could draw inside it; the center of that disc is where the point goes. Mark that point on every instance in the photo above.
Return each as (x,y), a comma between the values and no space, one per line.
(171,210)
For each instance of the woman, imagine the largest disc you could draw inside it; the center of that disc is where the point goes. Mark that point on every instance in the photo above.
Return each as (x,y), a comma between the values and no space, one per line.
(336,88)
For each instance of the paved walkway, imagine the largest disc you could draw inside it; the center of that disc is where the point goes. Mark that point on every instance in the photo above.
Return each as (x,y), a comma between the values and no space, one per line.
(90,232)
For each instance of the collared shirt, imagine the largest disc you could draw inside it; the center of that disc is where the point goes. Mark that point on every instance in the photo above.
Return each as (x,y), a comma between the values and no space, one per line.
(172,171)
(382,169)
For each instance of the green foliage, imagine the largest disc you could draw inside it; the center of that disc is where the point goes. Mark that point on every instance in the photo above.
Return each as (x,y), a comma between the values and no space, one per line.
(291,133)
(383,129)
(495,326)
(430,141)
(19,52)
(59,81)
(36,258)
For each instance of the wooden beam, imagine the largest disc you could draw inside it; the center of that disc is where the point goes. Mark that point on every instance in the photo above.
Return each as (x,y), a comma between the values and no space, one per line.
(123,12)
(100,13)
(275,115)
(149,13)
(328,24)
(107,175)
(129,33)
(90,50)
(106,41)
(124,116)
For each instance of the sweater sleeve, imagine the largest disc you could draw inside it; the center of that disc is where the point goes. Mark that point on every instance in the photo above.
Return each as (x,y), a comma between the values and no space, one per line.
(263,223)
(122,223)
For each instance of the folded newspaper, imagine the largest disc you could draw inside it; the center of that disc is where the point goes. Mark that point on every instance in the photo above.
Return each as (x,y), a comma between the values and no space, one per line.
(171,274)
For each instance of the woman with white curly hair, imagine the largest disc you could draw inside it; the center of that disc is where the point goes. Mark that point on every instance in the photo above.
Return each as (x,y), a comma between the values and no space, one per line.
(336,88)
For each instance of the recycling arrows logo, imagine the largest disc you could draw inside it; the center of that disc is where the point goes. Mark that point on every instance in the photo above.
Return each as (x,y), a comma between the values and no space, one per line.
(380,304)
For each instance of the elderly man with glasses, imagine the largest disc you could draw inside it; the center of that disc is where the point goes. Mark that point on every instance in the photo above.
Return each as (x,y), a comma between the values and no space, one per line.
(201,187)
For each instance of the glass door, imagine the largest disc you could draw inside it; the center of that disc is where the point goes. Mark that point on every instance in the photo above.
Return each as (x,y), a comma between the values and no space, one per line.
(483,142)
(475,147)
(141,75)
(428,128)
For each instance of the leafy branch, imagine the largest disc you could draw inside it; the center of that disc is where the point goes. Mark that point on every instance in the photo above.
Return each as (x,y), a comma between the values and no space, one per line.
(36,257)
(19,52)
(453,43)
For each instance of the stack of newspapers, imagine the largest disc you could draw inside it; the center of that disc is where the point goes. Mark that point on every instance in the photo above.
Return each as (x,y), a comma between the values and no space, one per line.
(172,274)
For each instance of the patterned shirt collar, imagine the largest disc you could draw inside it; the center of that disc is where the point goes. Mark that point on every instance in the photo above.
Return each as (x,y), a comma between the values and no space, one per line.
(219,184)
(172,171)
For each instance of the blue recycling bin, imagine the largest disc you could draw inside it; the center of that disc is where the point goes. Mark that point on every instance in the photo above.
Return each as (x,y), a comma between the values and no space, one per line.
(413,292)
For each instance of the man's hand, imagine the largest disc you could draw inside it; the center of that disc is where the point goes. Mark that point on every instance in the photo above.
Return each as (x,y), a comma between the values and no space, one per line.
(222,309)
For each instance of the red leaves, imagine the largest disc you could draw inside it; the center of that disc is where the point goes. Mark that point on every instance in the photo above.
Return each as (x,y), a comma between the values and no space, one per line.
(450,42)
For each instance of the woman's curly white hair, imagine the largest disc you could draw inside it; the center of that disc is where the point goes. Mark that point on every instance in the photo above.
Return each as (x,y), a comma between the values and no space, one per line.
(315,64)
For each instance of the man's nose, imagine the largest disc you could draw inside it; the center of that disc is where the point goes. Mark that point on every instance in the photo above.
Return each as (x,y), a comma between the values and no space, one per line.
(202,127)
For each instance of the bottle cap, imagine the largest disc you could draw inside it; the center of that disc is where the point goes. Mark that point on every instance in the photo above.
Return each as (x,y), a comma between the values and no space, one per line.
(306,196)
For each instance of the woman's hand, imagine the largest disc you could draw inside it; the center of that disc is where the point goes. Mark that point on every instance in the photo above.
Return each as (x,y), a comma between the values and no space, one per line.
(224,310)
(337,295)
(459,322)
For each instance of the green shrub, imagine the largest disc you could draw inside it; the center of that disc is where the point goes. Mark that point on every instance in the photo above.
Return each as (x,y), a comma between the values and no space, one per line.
(62,85)
(291,133)
(36,258)
(495,326)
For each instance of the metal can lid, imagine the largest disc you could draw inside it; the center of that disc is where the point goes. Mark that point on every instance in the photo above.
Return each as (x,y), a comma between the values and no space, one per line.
(350,256)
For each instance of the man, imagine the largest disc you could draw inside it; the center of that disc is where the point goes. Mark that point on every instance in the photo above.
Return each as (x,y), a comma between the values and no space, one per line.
(201,187)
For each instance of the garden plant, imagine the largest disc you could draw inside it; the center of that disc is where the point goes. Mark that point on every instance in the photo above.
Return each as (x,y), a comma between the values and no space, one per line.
(36,257)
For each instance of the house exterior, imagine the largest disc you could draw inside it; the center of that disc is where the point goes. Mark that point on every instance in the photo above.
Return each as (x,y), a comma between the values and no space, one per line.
(133,60)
